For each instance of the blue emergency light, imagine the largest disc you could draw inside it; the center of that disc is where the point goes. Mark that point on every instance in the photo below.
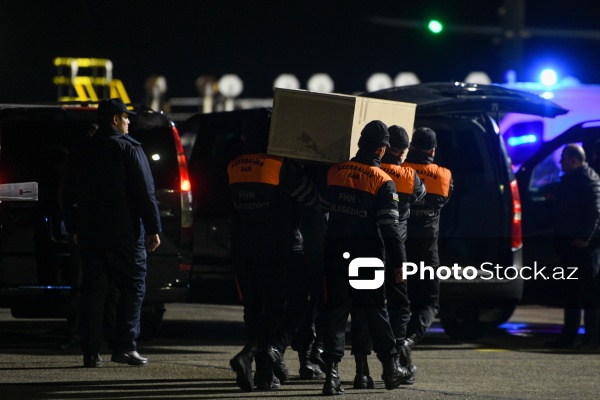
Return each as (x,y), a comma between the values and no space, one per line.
(519,140)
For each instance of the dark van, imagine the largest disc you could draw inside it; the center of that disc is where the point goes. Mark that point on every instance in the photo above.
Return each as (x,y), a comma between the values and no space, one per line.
(35,272)
(480,226)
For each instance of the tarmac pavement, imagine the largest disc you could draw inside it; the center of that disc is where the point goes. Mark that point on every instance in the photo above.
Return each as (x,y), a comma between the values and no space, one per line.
(190,360)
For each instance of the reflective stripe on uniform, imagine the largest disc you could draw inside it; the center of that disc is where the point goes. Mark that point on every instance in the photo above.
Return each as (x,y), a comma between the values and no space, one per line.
(388,212)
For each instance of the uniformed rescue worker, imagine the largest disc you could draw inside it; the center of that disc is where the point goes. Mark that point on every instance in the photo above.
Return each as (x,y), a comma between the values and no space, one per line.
(410,189)
(363,223)
(262,190)
(308,340)
(423,233)
(111,210)
(304,268)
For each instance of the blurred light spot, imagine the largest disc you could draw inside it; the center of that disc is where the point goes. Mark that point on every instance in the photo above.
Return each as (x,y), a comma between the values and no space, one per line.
(519,140)
(548,77)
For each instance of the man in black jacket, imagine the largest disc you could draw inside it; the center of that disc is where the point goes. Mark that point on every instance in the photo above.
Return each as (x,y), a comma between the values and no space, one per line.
(111,211)
(577,241)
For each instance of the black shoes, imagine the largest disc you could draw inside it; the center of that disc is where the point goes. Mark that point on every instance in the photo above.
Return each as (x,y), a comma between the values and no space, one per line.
(315,357)
(332,385)
(130,358)
(92,361)
(362,379)
(404,348)
(308,370)
(271,383)
(393,374)
(363,382)
(263,377)
(277,364)
(242,365)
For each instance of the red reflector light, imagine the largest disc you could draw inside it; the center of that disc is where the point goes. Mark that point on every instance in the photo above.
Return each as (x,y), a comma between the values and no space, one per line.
(517,235)
(184,177)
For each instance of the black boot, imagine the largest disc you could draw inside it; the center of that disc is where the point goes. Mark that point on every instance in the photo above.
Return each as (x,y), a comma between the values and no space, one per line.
(242,365)
(332,380)
(264,379)
(308,370)
(404,348)
(315,355)
(362,379)
(275,358)
(394,375)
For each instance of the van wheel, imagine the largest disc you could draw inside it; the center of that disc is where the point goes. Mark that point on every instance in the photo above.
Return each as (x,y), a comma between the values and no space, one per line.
(151,320)
(463,323)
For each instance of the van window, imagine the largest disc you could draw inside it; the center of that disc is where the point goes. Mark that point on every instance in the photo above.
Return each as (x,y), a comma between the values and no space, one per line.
(524,139)
(159,145)
(546,174)
(30,149)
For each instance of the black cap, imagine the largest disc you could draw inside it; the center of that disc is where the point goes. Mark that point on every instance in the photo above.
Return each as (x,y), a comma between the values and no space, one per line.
(424,139)
(110,107)
(374,135)
(398,137)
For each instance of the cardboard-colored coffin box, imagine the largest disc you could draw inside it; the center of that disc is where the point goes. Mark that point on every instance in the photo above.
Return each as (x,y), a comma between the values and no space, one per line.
(325,127)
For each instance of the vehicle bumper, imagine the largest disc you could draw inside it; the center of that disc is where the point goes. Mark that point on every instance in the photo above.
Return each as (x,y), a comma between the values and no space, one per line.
(494,286)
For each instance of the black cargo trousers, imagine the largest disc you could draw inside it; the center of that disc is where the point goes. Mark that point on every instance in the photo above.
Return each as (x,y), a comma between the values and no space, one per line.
(340,299)
(424,294)
(262,279)
(582,293)
(398,309)
(124,267)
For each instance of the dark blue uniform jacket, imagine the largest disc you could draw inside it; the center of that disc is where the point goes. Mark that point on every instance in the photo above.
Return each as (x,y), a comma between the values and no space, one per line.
(109,191)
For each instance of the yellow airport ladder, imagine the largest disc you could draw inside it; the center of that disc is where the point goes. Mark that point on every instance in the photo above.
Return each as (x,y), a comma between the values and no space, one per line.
(96,77)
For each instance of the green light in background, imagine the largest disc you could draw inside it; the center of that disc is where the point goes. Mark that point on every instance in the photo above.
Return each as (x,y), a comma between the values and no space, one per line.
(435,26)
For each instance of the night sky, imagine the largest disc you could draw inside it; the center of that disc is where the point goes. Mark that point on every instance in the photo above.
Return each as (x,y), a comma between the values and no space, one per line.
(258,40)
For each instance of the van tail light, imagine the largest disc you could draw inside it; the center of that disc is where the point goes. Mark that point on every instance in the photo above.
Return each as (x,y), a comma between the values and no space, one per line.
(183,174)
(517,235)
(187,215)
(184,177)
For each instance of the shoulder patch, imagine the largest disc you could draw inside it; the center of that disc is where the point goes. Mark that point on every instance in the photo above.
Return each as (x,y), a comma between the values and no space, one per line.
(395,197)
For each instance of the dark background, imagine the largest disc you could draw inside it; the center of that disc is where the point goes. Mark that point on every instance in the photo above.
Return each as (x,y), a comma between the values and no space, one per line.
(258,40)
